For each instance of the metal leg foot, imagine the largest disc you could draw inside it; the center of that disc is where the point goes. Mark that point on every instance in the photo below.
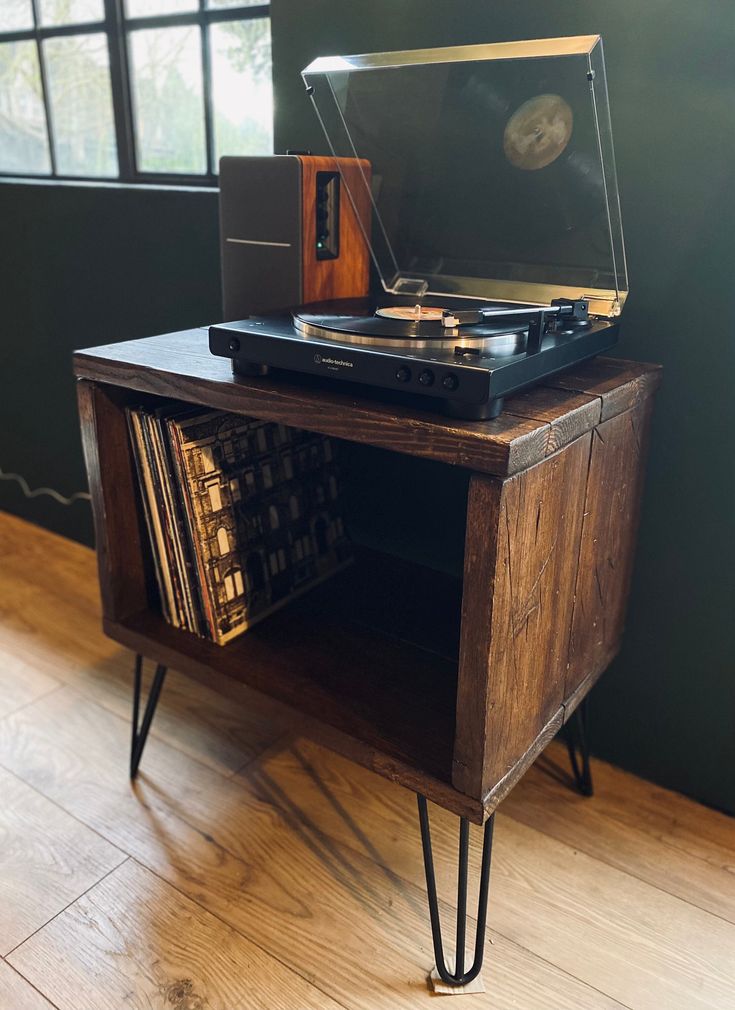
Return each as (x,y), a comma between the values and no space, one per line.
(140,729)
(578,746)
(459,976)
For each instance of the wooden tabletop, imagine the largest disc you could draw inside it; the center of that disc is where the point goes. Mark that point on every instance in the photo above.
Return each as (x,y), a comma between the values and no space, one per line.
(533,424)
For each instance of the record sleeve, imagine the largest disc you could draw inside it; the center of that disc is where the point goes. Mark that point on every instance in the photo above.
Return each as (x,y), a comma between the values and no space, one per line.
(262,509)
(152,515)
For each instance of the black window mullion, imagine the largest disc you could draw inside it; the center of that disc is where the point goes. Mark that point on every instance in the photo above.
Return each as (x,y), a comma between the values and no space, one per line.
(120,84)
(44,91)
(207,90)
(196,17)
(51,31)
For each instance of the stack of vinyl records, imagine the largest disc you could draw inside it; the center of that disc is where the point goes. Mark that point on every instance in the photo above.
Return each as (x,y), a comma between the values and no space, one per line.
(242,514)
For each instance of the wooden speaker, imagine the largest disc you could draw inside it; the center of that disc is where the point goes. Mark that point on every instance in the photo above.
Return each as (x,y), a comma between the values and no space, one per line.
(290,232)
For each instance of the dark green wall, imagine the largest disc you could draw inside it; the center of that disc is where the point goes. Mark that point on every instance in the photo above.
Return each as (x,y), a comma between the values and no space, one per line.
(82,265)
(85,265)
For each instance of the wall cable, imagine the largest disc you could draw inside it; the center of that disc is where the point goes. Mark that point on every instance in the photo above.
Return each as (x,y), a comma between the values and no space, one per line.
(37,492)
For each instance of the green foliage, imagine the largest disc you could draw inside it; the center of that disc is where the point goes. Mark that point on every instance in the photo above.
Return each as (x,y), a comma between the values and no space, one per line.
(167,92)
(23,141)
(251,48)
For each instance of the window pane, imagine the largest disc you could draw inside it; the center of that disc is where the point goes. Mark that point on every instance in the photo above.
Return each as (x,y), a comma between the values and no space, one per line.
(23,140)
(169,109)
(15,15)
(242,92)
(70,12)
(143,8)
(78,73)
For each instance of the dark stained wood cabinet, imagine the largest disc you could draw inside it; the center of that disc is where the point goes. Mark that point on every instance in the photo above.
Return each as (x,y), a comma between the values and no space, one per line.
(449,686)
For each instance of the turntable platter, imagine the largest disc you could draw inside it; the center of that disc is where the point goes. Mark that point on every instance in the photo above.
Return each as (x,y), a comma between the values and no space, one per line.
(386,325)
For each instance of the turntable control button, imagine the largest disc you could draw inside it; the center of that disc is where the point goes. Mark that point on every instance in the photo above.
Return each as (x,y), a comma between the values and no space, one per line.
(234,344)
(403,374)
(450,382)
(427,377)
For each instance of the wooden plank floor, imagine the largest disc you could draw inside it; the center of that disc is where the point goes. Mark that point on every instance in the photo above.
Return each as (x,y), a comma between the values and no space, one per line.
(250,868)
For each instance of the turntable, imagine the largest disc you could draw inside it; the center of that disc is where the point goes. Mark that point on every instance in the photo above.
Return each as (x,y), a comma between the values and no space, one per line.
(481,182)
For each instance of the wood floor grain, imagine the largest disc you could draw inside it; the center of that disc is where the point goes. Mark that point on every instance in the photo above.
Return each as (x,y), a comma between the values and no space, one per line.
(18,994)
(59,626)
(261,870)
(614,930)
(21,682)
(47,859)
(261,864)
(643,830)
(135,942)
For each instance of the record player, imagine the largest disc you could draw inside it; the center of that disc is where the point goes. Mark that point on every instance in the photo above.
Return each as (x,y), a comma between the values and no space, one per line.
(481,182)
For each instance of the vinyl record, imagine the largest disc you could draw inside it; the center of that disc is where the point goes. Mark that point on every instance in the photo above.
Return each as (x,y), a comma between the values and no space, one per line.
(387,324)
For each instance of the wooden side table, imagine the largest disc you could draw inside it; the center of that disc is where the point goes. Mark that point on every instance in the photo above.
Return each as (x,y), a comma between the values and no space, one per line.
(448,686)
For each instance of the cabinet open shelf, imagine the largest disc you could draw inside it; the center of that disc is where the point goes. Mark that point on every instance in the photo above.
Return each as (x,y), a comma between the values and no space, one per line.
(356,654)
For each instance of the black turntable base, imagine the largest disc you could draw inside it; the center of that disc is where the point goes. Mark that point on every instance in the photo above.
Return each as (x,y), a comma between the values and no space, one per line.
(459,356)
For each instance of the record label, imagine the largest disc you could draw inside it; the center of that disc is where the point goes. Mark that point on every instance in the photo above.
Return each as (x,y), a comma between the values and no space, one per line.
(410,313)
(538,132)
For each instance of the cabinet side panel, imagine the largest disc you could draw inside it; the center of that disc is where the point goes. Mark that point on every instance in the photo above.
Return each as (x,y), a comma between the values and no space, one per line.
(113,488)
(540,533)
(514,673)
(481,547)
(617,463)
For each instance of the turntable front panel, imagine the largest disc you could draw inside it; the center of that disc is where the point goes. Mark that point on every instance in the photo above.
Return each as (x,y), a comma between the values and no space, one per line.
(465,384)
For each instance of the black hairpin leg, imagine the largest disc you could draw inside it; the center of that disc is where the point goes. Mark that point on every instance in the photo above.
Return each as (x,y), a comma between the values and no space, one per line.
(140,729)
(576,736)
(459,976)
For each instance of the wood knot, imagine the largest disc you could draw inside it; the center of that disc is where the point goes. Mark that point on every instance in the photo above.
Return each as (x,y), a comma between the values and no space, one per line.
(180,994)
